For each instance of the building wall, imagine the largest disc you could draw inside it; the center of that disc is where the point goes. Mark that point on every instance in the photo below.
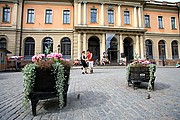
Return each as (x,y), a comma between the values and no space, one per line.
(81,29)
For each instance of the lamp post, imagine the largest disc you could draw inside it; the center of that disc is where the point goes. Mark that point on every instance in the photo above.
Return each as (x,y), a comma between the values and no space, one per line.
(163,56)
(59,48)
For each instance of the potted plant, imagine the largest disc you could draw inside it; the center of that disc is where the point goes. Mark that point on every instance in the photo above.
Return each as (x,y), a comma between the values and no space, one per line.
(46,77)
(141,71)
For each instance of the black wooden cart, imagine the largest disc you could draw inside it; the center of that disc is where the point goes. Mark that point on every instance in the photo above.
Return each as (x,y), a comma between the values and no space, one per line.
(140,74)
(44,87)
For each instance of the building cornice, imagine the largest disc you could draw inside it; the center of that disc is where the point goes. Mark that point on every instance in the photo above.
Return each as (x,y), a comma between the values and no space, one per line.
(162,34)
(113,29)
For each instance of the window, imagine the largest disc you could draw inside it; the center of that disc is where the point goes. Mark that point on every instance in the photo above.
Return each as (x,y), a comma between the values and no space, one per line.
(160,22)
(173,23)
(126,17)
(48,16)
(149,50)
(175,53)
(30,16)
(93,15)
(6,15)
(147,21)
(110,16)
(47,44)
(66,48)
(29,48)
(66,16)
(162,49)
(3,43)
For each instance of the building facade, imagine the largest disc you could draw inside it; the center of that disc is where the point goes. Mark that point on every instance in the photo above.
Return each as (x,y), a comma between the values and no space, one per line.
(122,28)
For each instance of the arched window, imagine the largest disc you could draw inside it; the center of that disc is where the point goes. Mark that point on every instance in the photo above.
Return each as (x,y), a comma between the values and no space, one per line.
(162,49)
(3,43)
(174,46)
(66,48)
(29,48)
(149,50)
(48,44)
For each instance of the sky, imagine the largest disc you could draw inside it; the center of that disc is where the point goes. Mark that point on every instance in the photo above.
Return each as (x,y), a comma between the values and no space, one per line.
(169,0)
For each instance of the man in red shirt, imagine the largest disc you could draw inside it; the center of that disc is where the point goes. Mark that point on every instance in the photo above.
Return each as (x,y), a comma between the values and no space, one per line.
(90,61)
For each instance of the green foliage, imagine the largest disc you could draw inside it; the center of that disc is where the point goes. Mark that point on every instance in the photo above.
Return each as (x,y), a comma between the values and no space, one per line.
(152,69)
(59,70)
(29,74)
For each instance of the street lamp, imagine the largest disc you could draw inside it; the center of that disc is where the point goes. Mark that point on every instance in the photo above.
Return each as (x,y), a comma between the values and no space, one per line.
(163,56)
(59,48)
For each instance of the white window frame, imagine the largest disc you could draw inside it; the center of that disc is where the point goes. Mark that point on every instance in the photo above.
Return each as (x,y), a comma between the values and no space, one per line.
(174,22)
(63,16)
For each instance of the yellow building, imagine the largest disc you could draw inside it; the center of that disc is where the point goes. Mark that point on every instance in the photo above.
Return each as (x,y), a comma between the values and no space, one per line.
(122,28)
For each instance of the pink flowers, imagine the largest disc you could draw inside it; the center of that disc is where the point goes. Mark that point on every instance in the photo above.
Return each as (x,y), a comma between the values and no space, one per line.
(55,56)
(46,61)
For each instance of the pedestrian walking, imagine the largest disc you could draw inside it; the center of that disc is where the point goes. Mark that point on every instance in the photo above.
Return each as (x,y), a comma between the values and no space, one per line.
(90,60)
(83,61)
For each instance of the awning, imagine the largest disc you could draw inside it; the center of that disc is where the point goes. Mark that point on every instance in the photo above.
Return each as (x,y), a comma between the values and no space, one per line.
(5,50)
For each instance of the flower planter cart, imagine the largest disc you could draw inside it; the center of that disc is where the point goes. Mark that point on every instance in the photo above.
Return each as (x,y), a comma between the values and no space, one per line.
(45,83)
(45,87)
(138,74)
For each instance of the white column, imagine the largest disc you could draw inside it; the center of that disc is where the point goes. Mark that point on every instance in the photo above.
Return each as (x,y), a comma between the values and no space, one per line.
(121,44)
(139,15)
(135,17)
(79,45)
(103,45)
(102,14)
(84,42)
(14,14)
(142,46)
(85,13)
(119,15)
(179,48)
(79,13)
(137,45)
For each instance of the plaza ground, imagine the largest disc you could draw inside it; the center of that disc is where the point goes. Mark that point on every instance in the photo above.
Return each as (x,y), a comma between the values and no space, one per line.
(104,95)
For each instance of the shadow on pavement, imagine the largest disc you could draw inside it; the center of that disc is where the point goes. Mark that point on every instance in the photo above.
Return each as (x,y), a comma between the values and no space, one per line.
(86,99)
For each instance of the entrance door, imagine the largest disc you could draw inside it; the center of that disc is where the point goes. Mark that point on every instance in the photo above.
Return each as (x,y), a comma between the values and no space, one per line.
(94,47)
(112,51)
(128,49)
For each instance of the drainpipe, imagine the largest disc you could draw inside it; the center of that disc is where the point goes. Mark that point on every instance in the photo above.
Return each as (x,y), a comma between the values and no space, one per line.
(20,47)
(179,17)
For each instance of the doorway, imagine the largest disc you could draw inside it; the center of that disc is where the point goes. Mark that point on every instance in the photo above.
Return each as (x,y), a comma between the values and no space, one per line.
(94,47)
(128,49)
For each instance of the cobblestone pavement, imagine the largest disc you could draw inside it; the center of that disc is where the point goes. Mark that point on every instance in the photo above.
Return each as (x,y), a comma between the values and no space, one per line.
(104,95)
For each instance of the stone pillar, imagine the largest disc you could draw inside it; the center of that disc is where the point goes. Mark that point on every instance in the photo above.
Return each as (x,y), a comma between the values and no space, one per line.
(139,15)
(79,13)
(84,42)
(102,14)
(135,17)
(121,44)
(79,45)
(179,49)
(103,45)
(142,46)
(85,13)
(119,16)
(14,14)
(137,45)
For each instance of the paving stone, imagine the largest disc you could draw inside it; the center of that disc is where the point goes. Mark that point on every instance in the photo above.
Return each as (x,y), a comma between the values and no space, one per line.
(104,95)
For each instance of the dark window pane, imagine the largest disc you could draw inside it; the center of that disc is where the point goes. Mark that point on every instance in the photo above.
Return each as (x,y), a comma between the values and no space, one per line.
(93,15)
(6,14)
(126,17)
(110,16)
(66,16)
(47,43)
(30,16)
(48,16)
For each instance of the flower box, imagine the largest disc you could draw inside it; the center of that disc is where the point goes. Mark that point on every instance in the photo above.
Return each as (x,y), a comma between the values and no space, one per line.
(136,74)
(46,78)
